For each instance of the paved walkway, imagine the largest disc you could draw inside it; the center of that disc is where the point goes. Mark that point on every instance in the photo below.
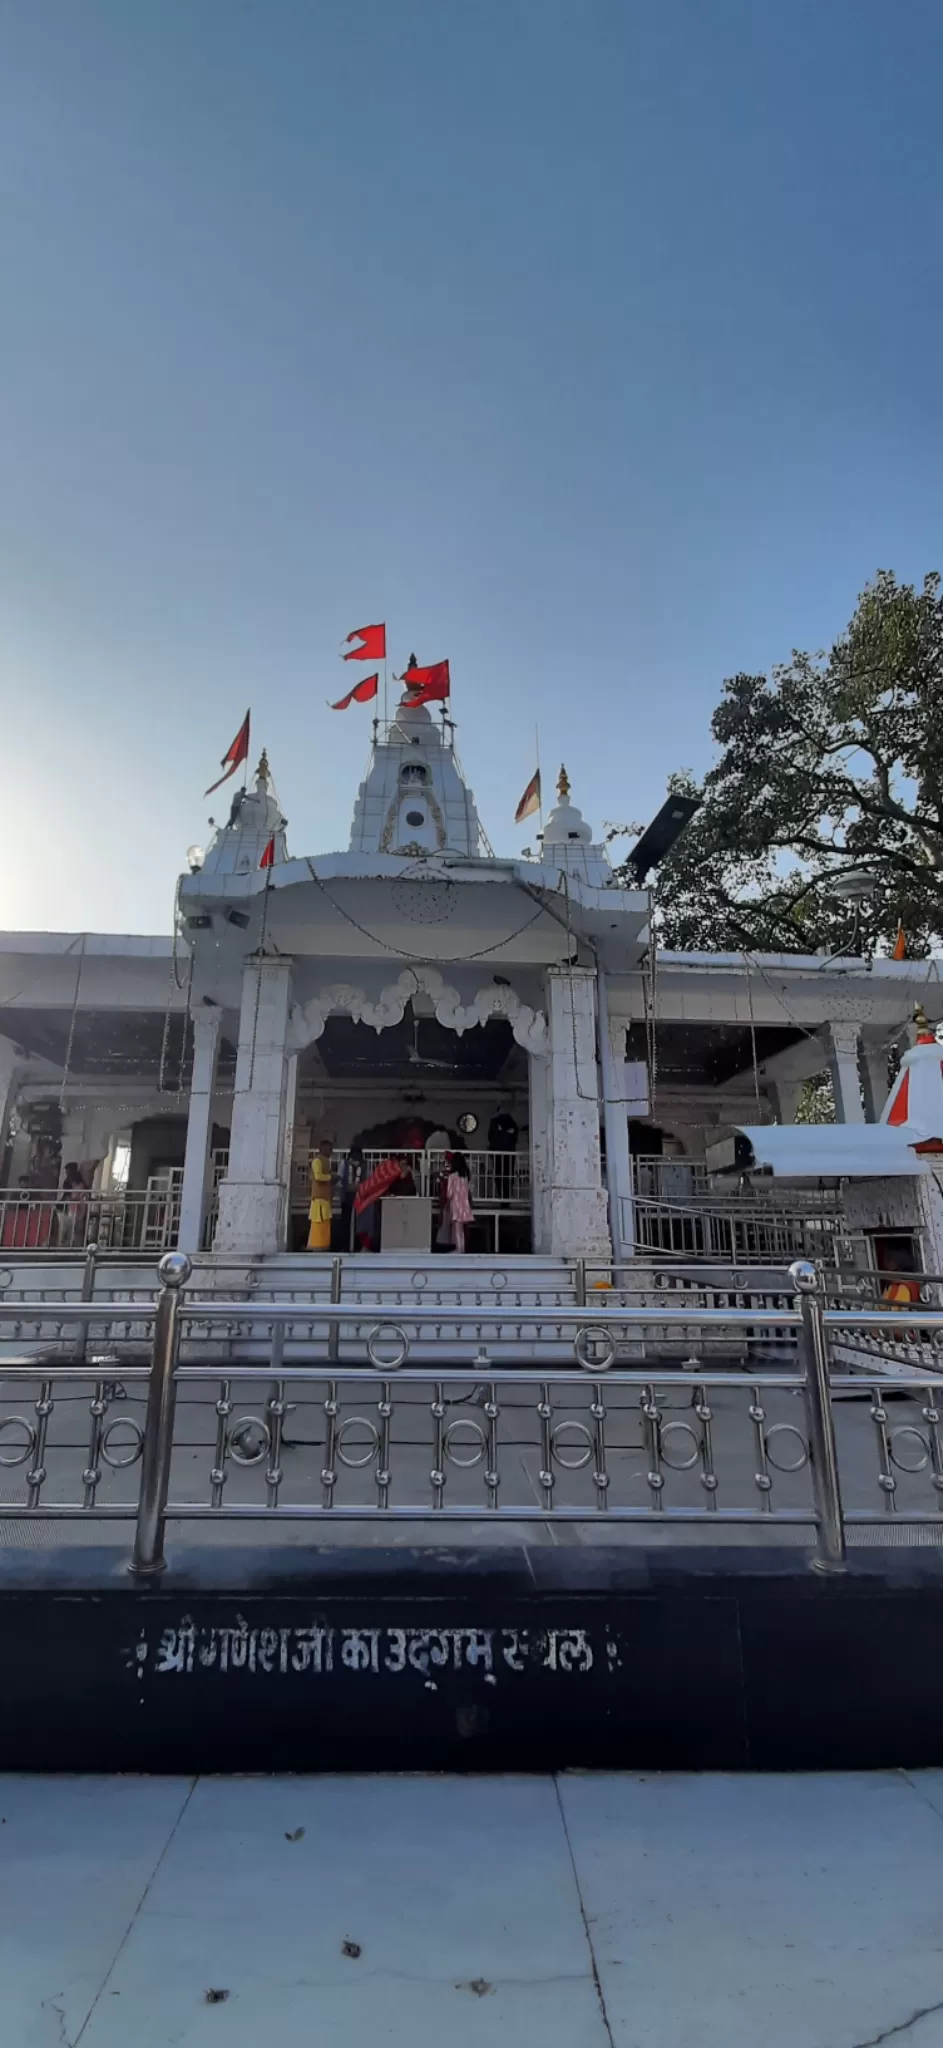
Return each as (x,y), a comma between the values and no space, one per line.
(581,1912)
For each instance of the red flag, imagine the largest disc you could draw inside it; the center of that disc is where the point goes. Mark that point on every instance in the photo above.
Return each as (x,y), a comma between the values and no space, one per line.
(530,800)
(268,856)
(900,944)
(372,644)
(238,752)
(426,685)
(361,692)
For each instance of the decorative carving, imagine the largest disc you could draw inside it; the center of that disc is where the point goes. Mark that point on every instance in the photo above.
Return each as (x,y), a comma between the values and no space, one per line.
(389,830)
(529,1026)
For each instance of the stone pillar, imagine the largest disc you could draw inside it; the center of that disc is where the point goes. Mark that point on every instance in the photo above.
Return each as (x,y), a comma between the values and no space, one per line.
(785,1096)
(874,1078)
(207,1024)
(252,1198)
(843,1067)
(539,1072)
(578,1213)
(9,1062)
(616,1122)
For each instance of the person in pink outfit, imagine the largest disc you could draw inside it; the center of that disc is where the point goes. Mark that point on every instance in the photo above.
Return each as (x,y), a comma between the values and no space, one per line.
(458,1206)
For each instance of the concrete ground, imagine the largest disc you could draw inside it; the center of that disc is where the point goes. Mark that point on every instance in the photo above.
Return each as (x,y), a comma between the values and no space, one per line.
(578,1912)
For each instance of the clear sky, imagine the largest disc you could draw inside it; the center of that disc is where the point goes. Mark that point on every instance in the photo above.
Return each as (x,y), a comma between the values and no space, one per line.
(595,344)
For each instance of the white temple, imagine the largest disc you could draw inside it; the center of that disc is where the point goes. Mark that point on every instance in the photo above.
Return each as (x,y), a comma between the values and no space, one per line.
(415,983)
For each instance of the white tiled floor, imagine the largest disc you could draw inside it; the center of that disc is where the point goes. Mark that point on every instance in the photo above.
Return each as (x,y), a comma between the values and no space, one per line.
(646,1912)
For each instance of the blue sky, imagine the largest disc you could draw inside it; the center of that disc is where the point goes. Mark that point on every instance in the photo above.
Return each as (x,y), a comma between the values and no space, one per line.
(593,345)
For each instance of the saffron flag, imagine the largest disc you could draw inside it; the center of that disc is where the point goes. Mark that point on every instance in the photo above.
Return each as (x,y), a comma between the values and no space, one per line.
(238,752)
(360,694)
(530,800)
(900,945)
(268,856)
(426,685)
(372,644)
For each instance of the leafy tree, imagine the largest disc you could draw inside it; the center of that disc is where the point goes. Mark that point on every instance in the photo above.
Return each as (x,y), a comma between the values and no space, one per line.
(816,1104)
(831,766)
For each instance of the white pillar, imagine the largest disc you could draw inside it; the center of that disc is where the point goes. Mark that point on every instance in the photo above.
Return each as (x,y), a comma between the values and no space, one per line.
(539,1072)
(616,1121)
(252,1198)
(874,1078)
(843,1067)
(786,1097)
(9,1062)
(578,1212)
(196,1160)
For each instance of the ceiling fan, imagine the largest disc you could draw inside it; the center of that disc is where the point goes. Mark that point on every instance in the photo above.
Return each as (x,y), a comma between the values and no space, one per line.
(416,1058)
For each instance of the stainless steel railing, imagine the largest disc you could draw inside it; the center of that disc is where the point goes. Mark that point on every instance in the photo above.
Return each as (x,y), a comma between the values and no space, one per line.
(185,1436)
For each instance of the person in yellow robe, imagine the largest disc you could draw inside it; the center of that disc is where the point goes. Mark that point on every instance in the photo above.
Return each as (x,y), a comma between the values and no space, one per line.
(322,1186)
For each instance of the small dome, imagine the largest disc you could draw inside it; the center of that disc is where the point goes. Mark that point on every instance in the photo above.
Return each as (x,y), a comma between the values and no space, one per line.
(566,826)
(255,817)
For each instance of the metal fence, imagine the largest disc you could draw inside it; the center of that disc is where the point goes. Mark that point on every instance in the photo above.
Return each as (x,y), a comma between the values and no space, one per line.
(185,1431)
(138,1220)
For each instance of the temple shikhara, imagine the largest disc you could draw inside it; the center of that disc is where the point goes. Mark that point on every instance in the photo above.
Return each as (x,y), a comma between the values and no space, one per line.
(415,996)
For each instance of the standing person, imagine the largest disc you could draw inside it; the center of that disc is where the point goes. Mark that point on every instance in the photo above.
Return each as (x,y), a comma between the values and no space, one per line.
(434,1150)
(458,1201)
(352,1173)
(322,1189)
(367,1202)
(75,1203)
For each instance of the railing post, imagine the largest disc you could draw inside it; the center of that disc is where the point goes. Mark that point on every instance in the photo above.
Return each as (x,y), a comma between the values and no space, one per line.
(148,1556)
(333,1335)
(579,1283)
(87,1294)
(826,1486)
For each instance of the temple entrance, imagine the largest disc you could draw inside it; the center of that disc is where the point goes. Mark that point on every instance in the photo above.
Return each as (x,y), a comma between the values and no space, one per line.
(411,1094)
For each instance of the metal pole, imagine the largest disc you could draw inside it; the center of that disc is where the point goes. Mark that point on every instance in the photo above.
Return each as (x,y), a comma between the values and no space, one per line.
(826,1486)
(579,1283)
(87,1294)
(148,1556)
(333,1335)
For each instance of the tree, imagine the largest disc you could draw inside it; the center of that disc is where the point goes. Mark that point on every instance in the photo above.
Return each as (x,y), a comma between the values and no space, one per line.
(832,766)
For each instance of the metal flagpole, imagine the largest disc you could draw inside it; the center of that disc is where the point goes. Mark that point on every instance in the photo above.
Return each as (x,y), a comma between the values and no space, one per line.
(540,787)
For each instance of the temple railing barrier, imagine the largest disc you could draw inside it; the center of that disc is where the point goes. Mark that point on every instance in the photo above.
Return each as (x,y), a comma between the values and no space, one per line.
(181,1438)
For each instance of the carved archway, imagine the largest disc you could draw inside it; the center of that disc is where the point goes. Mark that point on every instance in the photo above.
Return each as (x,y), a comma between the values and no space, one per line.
(529,1026)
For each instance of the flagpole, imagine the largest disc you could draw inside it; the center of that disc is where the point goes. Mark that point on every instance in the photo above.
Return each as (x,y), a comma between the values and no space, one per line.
(245,770)
(386,716)
(540,787)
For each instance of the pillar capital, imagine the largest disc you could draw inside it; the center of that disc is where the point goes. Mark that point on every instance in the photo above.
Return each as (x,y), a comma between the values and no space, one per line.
(845,1037)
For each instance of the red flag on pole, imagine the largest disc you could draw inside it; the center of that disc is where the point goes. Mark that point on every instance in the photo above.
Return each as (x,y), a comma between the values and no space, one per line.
(530,800)
(360,694)
(268,856)
(238,752)
(372,644)
(426,685)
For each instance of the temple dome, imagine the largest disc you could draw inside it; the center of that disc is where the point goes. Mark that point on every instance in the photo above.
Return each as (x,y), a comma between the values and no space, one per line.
(255,817)
(415,799)
(568,841)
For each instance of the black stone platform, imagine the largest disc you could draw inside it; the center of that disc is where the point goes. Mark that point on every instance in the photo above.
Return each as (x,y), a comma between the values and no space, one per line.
(254,1660)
